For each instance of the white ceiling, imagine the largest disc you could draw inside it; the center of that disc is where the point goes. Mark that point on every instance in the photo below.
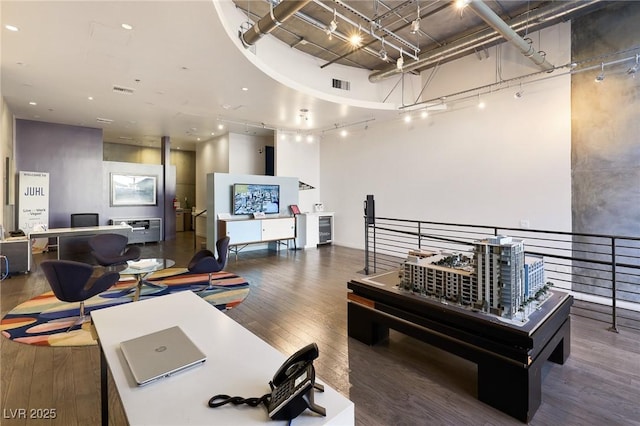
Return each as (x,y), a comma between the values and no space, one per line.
(186,75)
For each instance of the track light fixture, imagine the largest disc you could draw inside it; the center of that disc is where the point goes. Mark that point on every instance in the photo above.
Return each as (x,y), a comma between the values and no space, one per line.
(331,28)
(519,94)
(634,69)
(415,25)
(481,104)
(400,61)
(600,76)
(383,53)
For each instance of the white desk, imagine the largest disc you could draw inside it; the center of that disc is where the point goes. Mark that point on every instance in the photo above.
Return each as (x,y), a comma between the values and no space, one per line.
(238,364)
(72,242)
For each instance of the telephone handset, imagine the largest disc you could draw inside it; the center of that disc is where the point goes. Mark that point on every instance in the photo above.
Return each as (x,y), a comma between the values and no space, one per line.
(294,381)
(292,388)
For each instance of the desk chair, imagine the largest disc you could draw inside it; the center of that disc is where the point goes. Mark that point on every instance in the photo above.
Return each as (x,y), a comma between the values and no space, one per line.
(79,220)
(73,282)
(112,249)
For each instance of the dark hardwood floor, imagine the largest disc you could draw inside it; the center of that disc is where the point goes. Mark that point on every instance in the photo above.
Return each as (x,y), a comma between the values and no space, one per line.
(299,297)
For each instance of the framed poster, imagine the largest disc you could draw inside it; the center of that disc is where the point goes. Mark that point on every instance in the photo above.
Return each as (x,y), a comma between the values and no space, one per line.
(133,190)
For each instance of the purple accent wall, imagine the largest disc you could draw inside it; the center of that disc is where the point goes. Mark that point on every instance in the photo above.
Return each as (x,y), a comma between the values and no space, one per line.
(79,179)
(72,156)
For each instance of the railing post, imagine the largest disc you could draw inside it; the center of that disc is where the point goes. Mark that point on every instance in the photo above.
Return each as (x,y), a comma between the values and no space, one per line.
(366,246)
(420,235)
(375,253)
(614,324)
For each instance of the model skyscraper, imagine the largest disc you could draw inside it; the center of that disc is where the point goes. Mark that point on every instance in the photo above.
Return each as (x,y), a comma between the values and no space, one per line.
(499,279)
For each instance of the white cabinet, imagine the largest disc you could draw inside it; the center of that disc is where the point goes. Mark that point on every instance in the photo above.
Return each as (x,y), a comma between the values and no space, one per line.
(241,231)
(257,230)
(278,229)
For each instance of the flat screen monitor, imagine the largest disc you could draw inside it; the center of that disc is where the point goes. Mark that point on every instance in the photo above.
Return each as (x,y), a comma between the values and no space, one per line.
(254,198)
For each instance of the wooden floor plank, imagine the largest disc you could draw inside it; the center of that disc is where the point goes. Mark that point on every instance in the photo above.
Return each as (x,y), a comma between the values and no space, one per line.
(300,296)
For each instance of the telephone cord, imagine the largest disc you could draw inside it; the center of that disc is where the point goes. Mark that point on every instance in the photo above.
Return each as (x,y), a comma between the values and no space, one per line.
(238,400)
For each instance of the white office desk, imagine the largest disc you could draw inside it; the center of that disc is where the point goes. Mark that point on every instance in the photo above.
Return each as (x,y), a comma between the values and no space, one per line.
(238,364)
(72,242)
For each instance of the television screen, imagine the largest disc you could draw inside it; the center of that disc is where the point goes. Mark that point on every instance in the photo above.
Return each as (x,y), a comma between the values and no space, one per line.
(253,198)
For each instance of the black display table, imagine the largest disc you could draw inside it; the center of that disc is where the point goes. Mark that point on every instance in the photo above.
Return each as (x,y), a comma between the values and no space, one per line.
(509,356)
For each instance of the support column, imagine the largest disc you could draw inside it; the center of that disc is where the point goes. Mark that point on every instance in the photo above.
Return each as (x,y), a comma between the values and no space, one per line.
(169,193)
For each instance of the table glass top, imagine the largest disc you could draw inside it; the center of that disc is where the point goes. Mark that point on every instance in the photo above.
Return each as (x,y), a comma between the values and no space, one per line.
(143,266)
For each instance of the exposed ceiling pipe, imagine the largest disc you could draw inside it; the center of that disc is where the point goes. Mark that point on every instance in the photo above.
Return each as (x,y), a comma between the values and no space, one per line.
(494,21)
(266,24)
(534,20)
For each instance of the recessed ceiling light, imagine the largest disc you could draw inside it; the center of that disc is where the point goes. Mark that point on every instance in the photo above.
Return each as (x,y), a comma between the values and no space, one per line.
(344,133)
(12,27)
(220,126)
(198,139)
(244,89)
(407,118)
(424,114)
(127,26)
(33,103)
(213,134)
(90,98)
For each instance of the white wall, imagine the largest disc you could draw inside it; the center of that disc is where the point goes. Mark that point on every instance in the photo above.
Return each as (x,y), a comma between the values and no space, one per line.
(211,156)
(228,153)
(247,153)
(497,166)
(301,159)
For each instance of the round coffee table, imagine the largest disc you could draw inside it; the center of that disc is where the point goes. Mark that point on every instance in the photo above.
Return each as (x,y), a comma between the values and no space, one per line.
(140,269)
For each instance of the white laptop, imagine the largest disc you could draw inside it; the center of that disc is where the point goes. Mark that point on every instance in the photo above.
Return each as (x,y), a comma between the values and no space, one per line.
(160,354)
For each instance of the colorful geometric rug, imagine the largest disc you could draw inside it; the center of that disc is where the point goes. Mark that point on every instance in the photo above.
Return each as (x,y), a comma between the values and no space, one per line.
(45,320)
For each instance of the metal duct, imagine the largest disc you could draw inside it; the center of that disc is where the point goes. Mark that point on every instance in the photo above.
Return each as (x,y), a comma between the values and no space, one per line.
(494,21)
(536,19)
(268,23)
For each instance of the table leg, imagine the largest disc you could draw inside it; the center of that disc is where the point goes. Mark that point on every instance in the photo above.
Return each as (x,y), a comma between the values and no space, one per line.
(104,391)
(136,296)
(362,326)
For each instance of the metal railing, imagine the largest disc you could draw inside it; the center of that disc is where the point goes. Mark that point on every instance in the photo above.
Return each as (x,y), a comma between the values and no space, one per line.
(601,271)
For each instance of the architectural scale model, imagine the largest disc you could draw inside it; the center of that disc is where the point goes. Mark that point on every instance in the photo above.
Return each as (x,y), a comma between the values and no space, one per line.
(498,279)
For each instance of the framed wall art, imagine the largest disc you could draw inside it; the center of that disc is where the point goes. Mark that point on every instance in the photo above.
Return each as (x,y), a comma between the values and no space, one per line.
(133,190)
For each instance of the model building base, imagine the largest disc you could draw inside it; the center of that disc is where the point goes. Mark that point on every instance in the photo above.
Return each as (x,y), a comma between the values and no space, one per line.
(509,356)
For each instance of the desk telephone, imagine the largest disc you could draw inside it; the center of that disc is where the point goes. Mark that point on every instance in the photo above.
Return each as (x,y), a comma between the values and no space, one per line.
(292,388)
